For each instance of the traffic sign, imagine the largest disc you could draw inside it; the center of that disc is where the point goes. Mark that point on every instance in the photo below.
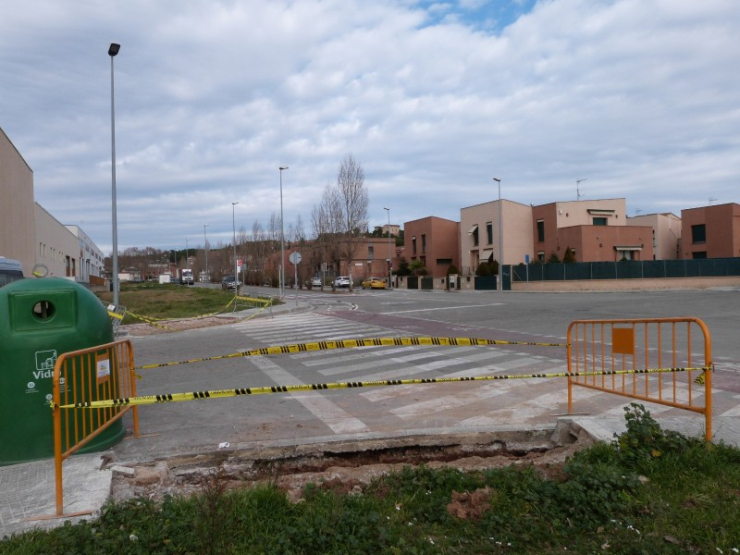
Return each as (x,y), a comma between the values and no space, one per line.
(295,258)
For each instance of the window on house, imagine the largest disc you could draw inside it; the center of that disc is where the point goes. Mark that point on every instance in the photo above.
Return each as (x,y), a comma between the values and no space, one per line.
(489,231)
(475,237)
(423,244)
(413,245)
(540,230)
(599,221)
(541,256)
(370,252)
(699,234)
(700,254)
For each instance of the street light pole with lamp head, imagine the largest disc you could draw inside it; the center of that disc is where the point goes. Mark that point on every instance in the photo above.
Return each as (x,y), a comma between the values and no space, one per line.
(500,238)
(205,247)
(236,264)
(282,236)
(112,52)
(390,251)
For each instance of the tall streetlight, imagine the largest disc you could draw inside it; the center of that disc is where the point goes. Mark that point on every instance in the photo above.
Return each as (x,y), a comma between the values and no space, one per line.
(390,250)
(205,247)
(500,238)
(282,236)
(236,265)
(112,51)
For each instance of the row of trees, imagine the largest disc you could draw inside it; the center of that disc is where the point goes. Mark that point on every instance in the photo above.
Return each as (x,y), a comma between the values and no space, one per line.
(338,223)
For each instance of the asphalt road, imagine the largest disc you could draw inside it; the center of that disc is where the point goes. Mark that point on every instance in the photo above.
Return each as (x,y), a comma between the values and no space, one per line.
(303,417)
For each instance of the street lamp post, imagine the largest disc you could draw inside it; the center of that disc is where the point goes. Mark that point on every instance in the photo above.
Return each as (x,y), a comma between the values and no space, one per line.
(500,238)
(112,51)
(282,236)
(205,247)
(390,251)
(236,264)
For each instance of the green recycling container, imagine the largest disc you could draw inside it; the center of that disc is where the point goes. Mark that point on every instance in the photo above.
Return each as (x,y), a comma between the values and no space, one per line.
(40,319)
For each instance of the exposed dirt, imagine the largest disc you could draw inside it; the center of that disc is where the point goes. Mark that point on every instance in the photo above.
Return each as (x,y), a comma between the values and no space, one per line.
(347,468)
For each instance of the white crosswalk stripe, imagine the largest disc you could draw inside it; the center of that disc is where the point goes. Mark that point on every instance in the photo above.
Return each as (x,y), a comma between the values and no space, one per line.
(456,404)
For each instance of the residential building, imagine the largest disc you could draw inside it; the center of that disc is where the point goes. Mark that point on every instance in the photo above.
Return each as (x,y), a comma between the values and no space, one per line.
(594,230)
(394,229)
(433,241)
(370,259)
(666,234)
(479,234)
(711,231)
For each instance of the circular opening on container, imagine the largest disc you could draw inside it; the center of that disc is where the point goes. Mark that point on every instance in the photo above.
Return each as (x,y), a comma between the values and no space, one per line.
(43,310)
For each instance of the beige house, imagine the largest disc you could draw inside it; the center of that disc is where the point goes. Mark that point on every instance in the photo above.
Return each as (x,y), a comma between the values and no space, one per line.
(17,227)
(666,234)
(479,234)
(594,231)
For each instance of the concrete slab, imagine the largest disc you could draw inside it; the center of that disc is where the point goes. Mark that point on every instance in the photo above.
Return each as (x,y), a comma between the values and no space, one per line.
(28,493)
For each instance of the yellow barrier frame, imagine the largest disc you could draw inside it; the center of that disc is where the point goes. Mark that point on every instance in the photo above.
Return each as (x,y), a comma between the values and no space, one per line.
(635,344)
(80,372)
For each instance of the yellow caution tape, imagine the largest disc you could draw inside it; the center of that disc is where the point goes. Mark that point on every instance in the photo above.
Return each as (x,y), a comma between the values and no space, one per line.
(154,321)
(256,300)
(115,315)
(223,393)
(353,343)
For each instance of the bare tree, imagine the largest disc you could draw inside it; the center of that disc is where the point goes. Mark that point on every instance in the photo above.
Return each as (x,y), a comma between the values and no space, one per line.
(352,196)
(340,220)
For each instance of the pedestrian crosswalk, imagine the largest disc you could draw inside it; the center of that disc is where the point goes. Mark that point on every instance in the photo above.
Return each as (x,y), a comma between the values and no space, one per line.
(456,405)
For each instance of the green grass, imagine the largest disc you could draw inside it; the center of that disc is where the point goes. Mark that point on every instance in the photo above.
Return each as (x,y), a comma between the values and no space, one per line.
(167,301)
(649,492)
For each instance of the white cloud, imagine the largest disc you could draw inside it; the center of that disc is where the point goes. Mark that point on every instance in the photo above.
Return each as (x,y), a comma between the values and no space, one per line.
(638,96)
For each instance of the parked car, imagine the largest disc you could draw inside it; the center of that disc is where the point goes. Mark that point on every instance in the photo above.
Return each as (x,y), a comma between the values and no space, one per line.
(341,281)
(230,282)
(10,270)
(373,283)
(316,282)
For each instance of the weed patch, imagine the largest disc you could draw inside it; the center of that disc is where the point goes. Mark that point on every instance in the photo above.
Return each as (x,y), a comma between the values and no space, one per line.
(648,491)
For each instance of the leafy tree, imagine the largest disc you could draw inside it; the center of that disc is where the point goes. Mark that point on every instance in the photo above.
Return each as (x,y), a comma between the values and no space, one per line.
(554,259)
(569,257)
(403,268)
(485,269)
(418,269)
(452,269)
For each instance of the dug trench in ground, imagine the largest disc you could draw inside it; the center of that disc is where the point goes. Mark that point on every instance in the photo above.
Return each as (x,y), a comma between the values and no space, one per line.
(344,466)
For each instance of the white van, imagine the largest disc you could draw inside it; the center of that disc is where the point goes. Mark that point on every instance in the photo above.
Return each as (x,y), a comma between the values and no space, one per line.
(10,270)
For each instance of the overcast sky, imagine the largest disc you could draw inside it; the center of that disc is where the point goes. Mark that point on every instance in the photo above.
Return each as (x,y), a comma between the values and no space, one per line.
(434,99)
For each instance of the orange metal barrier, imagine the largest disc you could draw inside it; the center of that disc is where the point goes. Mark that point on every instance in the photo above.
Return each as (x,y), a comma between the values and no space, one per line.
(667,361)
(97,373)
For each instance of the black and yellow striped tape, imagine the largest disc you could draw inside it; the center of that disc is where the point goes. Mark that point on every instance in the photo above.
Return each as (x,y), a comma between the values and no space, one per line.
(115,315)
(264,303)
(222,393)
(353,343)
(256,300)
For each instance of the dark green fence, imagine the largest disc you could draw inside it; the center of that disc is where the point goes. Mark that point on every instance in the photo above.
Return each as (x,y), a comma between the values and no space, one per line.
(710,267)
